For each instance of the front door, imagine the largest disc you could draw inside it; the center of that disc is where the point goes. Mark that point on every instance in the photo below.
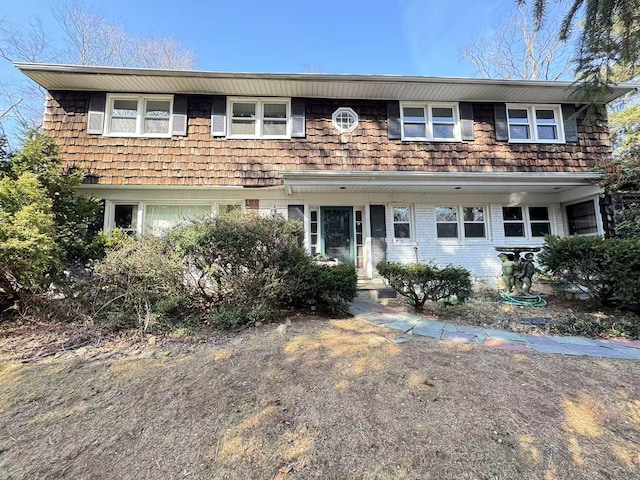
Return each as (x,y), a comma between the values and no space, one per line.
(337,233)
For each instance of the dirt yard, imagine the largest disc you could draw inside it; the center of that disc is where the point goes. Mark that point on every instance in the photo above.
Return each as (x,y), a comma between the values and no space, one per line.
(334,399)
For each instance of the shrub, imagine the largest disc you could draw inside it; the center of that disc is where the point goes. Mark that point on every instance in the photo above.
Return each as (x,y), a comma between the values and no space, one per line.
(328,289)
(233,315)
(627,222)
(247,268)
(421,282)
(607,270)
(28,253)
(625,326)
(139,283)
(73,214)
(240,263)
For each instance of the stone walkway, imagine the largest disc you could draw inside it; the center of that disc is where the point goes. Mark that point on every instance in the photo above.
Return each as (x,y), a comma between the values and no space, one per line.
(377,314)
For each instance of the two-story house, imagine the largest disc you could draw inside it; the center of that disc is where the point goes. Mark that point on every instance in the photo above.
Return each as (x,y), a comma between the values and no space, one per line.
(402,168)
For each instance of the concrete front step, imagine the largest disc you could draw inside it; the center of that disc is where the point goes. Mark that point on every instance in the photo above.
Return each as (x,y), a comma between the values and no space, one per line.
(374,289)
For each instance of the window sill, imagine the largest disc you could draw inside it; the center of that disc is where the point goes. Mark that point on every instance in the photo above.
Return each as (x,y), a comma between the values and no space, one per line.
(247,137)
(538,142)
(124,135)
(432,140)
(461,241)
(404,241)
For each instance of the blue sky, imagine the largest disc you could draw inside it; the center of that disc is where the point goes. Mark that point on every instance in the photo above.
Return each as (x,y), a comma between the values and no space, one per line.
(407,37)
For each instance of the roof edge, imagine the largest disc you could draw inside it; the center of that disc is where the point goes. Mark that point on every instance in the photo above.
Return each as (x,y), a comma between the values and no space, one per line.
(329,77)
(435,177)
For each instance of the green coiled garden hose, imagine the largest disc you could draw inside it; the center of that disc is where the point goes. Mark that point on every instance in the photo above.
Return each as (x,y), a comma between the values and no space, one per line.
(534,301)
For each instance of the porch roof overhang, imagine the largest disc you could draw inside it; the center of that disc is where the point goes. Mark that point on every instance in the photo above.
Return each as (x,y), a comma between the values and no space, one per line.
(305,181)
(309,85)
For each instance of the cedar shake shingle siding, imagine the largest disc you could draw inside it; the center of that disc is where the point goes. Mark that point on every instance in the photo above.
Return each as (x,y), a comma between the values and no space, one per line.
(200,159)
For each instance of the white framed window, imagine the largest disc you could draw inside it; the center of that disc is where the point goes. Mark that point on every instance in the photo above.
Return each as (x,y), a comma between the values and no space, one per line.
(139,115)
(402,222)
(224,208)
(259,118)
(461,222)
(535,123)
(345,120)
(526,222)
(314,232)
(157,217)
(430,122)
(125,218)
(160,218)
(581,218)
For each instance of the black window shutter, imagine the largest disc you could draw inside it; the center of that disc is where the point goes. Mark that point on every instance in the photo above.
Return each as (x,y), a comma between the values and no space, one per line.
(219,116)
(179,115)
(296,212)
(297,117)
(466,121)
(377,221)
(394,130)
(95,121)
(570,123)
(502,127)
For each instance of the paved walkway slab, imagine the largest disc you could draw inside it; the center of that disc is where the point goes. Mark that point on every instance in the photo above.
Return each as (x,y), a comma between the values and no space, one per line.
(381,315)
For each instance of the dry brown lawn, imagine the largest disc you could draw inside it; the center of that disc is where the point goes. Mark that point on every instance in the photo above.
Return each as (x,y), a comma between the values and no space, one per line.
(330,399)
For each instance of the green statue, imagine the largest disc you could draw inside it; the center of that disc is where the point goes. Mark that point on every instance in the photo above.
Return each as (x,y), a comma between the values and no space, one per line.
(526,272)
(509,269)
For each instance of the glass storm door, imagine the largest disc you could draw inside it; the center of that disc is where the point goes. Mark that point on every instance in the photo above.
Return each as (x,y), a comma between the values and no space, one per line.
(337,226)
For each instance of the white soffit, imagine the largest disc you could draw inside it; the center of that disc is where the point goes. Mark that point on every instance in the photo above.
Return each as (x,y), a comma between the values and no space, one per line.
(374,87)
(435,182)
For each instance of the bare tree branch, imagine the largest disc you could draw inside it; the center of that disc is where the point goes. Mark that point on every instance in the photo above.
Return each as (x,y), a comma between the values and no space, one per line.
(517,50)
(90,38)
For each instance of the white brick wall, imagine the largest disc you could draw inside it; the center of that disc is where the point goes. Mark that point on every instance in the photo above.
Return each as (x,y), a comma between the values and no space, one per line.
(279,207)
(477,255)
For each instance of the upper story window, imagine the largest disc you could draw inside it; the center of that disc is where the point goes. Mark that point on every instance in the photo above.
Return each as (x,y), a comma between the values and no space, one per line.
(449,221)
(139,115)
(535,123)
(526,222)
(430,122)
(345,120)
(259,118)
